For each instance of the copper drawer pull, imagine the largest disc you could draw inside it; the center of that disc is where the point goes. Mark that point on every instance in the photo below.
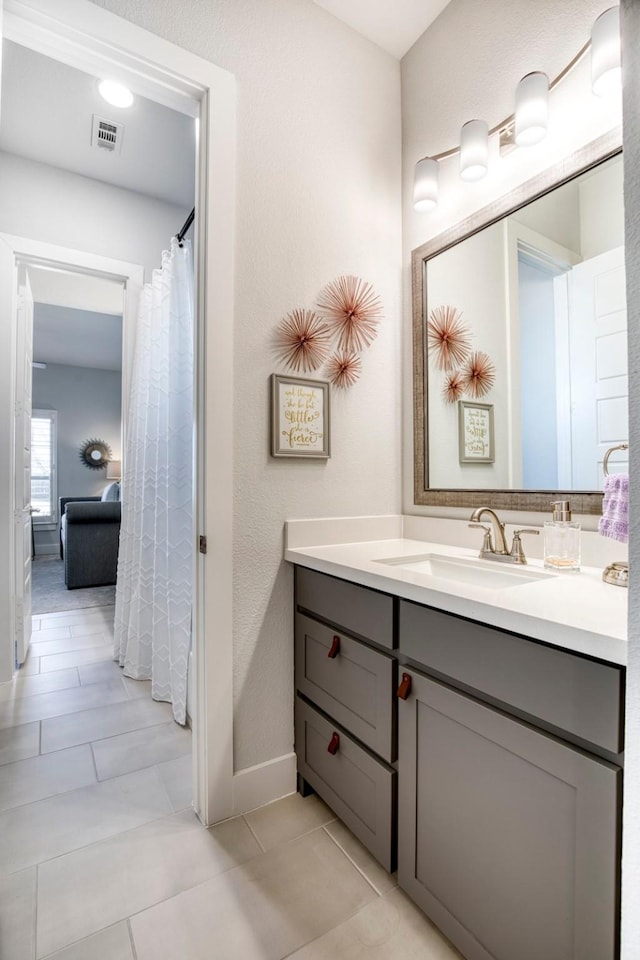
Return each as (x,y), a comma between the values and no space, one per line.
(334,743)
(335,648)
(405,686)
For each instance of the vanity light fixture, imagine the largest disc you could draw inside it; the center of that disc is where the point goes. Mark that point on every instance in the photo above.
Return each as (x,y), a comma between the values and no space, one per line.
(529,123)
(606,68)
(474,150)
(115,93)
(532,109)
(425,185)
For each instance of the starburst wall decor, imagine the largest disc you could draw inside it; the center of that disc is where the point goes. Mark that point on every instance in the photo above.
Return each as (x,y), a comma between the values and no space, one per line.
(468,372)
(347,317)
(343,369)
(302,340)
(448,337)
(479,374)
(453,387)
(353,310)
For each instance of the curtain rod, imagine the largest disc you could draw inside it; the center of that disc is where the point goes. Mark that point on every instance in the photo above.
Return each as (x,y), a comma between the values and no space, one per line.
(180,236)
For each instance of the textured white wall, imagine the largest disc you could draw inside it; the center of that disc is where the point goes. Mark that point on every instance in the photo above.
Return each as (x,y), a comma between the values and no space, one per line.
(43,203)
(318,195)
(465,66)
(631,809)
(602,224)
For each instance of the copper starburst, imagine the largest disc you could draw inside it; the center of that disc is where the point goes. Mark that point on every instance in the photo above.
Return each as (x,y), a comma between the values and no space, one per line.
(453,387)
(448,337)
(353,309)
(302,340)
(479,374)
(343,369)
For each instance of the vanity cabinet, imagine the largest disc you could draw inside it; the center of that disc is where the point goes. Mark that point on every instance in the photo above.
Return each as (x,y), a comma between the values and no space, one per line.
(345,711)
(508,835)
(507,754)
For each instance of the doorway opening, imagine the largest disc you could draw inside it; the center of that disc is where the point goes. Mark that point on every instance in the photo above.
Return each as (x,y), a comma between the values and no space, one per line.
(89,36)
(76,400)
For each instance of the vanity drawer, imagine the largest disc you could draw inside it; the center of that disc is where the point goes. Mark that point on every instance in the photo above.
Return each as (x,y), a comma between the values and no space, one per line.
(359,789)
(569,692)
(358,610)
(356,686)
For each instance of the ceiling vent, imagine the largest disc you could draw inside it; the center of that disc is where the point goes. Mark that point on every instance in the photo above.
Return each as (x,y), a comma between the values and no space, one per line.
(106,134)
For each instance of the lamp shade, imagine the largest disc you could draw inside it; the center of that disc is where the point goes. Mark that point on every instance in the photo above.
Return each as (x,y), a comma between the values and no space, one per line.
(114,470)
(606,69)
(425,185)
(532,109)
(474,150)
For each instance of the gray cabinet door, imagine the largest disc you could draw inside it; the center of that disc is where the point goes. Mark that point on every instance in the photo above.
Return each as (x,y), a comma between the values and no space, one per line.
(508,838)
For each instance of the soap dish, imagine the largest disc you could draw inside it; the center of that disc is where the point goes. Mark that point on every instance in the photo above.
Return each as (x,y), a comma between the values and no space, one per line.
(617,574)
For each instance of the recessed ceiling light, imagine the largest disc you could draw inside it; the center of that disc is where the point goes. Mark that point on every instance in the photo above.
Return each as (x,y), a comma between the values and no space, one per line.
(115,93)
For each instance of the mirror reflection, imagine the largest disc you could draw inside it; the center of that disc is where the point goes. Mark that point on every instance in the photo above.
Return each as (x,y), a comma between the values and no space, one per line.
(526,358)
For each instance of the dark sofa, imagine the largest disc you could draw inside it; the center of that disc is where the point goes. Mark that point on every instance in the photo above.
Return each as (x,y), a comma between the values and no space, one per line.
(89,538)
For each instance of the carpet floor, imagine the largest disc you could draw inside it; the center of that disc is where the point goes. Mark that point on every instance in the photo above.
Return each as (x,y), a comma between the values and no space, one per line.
(49,594)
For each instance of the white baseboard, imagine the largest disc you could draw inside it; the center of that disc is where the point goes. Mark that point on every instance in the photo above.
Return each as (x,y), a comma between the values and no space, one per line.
(264,783)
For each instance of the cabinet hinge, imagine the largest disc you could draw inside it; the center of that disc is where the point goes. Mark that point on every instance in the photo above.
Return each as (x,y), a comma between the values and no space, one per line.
(202,544)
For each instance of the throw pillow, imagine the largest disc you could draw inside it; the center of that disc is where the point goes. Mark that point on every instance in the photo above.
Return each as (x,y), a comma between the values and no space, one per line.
(111,492)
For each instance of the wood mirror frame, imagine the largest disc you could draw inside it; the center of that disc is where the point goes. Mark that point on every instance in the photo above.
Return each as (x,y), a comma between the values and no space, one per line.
(582,501)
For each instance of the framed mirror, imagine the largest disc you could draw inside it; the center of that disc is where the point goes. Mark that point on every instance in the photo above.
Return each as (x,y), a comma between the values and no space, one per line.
(95,454)
(520,344)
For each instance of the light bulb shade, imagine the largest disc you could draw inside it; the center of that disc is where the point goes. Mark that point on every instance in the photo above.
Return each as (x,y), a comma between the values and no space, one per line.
(532,109)
(114,470)
(606,70)
(474,150)
(425,185)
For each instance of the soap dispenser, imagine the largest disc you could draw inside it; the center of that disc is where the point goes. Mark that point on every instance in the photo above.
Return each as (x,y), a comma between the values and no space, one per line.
(561,539)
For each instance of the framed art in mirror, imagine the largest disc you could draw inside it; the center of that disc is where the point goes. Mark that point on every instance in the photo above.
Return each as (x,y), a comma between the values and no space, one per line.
(475,432)
(537,278)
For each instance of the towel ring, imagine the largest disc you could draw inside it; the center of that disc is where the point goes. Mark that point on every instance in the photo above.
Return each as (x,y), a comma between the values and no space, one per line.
(605,461)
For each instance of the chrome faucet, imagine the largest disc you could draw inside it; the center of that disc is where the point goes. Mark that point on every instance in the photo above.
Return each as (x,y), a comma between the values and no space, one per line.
(499,551)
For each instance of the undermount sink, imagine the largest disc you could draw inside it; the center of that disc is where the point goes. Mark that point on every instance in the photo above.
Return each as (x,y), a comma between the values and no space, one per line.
(479,573)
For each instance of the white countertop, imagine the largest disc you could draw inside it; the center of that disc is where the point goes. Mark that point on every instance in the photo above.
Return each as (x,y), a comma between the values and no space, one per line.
(576,611)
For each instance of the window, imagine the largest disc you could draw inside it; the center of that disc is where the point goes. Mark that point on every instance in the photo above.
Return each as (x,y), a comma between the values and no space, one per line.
(44,466)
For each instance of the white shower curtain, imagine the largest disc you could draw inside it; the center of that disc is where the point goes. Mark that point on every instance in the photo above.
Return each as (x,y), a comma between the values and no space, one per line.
(154,586)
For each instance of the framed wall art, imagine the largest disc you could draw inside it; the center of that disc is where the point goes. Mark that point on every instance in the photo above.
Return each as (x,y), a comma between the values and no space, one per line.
(300,425)
(475,432)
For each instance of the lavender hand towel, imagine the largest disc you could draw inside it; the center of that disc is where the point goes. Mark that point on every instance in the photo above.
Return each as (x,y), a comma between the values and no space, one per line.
(614,521)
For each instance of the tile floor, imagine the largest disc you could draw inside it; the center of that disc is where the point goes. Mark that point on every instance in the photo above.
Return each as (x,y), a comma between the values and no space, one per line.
(102,858)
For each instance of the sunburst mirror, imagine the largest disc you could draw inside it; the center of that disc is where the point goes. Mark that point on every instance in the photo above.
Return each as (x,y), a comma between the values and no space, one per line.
(95,454)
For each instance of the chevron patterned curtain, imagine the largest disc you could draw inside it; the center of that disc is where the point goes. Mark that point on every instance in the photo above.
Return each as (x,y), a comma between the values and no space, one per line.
(155,562)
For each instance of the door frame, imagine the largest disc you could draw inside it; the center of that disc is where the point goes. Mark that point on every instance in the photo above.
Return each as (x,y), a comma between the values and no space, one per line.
(84,36)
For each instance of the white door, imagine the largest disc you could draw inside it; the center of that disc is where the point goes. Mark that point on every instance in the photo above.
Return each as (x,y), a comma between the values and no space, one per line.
(22,471)
(0,51)
(599,372)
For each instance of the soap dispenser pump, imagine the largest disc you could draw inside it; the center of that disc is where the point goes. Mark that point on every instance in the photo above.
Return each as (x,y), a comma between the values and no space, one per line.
(561,539)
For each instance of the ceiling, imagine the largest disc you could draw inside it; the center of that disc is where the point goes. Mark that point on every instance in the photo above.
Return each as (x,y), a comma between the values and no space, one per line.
(394,25)
(77,338)
(47,115)
(77,319)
